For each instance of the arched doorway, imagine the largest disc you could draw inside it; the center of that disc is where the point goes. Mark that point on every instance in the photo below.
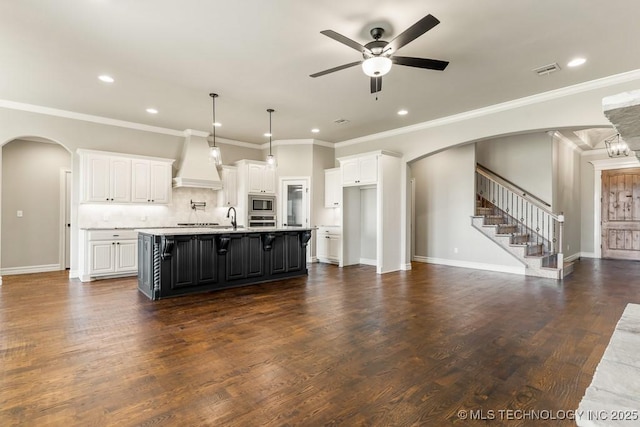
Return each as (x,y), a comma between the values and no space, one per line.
(35,206)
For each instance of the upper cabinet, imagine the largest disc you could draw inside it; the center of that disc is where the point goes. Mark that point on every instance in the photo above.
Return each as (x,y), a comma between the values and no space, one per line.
(228,196)
(359,170)
(332,188)
(118,178)
(106,178)
(259,178)
(150,181)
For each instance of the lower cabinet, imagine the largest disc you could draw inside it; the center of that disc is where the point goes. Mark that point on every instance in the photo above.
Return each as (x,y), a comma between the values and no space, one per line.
(329,244)
(244,257)
(181,264)
(108,253)
(194,261)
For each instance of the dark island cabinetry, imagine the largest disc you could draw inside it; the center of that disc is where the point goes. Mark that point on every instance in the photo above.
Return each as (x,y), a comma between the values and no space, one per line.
(178,264)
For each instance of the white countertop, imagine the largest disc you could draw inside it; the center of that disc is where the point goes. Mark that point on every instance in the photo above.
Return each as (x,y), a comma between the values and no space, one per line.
(209,230)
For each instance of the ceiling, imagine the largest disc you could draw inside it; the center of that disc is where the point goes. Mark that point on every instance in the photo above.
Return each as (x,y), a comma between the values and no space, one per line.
(255,54)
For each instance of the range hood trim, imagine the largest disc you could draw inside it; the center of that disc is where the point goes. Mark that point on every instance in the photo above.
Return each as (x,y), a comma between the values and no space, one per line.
(180,182)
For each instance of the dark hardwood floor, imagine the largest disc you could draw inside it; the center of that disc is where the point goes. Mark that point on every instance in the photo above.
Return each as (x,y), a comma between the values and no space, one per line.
(340,347)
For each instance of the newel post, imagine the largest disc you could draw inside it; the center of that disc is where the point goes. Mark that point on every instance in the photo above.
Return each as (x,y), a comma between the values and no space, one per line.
(560,240)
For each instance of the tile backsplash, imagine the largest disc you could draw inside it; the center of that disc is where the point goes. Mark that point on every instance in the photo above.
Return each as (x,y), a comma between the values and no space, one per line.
(94,215)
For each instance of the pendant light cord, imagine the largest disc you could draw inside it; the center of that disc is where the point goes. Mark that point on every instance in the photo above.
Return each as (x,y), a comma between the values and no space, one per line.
(213,122)
(270,110)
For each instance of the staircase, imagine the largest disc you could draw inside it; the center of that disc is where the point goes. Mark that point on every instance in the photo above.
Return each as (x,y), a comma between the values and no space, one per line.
(521,224)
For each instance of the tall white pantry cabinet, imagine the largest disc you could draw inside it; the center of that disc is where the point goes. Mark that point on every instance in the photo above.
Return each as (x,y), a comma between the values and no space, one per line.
(372,222)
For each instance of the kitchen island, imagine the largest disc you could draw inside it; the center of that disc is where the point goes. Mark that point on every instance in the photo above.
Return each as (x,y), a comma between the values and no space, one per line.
(179,261)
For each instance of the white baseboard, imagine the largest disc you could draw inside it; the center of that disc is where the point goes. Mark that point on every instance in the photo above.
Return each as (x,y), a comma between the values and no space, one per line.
(367,261)
(473,265)
(74,274)
(406,266)
(572,258)
(588,255)
(30,269)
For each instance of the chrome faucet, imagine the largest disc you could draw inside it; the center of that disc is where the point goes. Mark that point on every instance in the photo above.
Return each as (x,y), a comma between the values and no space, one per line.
(234,223)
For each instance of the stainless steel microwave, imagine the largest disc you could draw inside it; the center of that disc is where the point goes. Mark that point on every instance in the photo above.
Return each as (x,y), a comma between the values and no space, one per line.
(262,205)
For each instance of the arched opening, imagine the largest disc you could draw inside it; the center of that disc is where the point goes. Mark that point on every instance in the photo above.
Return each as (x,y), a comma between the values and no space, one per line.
(35,205)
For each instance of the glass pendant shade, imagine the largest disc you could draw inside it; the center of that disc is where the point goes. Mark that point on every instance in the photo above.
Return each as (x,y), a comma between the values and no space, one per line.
(376,66)
(215,155)
(272,163)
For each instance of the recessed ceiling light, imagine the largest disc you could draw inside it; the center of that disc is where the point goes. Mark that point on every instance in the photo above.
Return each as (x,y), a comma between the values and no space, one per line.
(576,62)
(152,111)
(267,134)
(402,112)
(106,79)
(315,130)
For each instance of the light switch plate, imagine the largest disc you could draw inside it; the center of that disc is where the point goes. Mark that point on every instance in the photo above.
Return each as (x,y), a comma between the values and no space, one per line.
(19,213)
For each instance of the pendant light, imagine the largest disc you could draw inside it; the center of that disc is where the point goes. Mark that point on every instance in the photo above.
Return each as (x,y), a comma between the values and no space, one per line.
(271,160)
(616,147)
(215,156)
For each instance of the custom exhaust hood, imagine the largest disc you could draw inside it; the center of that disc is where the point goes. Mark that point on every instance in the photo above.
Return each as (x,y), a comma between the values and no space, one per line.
(195,169)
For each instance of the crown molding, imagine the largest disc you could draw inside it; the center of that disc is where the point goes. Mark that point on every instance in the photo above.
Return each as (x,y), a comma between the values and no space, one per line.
(504,106)
(11,105)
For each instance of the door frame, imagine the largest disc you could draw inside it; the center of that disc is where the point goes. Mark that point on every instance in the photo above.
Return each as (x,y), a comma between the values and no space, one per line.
(599,166)
(65,207)
(284,180)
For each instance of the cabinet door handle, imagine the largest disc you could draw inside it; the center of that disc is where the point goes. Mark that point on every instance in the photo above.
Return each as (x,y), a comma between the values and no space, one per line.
(117,243)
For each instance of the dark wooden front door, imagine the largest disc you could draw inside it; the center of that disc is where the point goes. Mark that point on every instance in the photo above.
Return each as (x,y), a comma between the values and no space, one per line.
(621,214)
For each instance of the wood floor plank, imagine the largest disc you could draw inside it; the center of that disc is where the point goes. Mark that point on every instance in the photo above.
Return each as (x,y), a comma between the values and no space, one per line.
(339,347)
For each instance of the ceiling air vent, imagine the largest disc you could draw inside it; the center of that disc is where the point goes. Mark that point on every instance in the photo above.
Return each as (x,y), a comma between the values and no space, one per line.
(341,121)
(547,69)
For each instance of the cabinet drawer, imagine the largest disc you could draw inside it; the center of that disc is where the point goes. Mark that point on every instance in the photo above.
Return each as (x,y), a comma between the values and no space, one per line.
(329,231)
(112,235)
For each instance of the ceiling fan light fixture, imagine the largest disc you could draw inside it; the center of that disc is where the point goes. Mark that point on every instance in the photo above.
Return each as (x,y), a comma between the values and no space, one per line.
(376,66)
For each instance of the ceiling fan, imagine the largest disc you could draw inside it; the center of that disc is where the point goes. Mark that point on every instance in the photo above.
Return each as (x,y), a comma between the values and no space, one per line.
(378,55)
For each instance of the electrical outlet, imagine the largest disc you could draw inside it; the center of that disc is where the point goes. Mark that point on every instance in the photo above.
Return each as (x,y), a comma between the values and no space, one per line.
(455,250)
(19,213)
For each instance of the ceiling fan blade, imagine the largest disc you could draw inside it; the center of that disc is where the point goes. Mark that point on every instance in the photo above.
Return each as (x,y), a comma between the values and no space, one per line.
(345,40)
(376,84)
(413,32)
(431,64)
(338,68)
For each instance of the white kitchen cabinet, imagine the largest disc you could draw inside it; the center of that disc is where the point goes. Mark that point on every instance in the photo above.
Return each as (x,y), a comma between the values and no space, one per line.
(228,196)
(329,244)
(150,181)
(108,253)
(120,178)
(261,179)
(360,170)
(332,188)
(106,179)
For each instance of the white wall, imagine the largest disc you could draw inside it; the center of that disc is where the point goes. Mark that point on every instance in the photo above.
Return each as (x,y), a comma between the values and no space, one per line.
(368,225)
(567,194)
(31,184)
(445,190)
(525,160)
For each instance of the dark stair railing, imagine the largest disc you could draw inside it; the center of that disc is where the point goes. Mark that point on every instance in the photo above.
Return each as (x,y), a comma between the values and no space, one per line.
(532,215)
